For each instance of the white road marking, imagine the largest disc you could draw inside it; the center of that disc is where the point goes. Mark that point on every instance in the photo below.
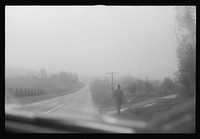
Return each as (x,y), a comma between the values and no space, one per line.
(53,109)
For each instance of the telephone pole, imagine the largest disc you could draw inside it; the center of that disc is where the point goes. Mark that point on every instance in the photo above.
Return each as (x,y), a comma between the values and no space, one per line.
(112,78)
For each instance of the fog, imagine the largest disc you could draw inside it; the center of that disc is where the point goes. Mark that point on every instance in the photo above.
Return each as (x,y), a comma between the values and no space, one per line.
(92,40)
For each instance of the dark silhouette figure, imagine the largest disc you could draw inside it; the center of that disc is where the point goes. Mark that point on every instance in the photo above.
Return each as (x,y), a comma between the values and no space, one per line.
(118,97)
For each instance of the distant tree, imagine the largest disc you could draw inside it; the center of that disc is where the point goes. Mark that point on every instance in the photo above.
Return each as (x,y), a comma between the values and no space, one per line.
(140,84)
(63,75)
(70,76)
(43,73)
(133,87)
(126,81)
(186,51)
(148,87)
(168,85)
(76,78)
(156,85)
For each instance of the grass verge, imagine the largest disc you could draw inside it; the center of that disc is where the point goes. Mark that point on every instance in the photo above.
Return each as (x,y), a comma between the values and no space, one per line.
(152,112)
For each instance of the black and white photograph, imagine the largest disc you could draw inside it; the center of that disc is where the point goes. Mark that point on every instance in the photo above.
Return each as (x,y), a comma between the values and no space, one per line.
(100,69)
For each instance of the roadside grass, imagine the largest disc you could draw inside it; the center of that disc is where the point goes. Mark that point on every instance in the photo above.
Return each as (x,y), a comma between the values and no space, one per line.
(134,99)
(149,113)
(138,99)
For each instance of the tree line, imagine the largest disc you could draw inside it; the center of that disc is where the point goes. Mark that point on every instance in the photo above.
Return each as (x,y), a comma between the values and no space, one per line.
(139,86)
(102,94)
(62,75)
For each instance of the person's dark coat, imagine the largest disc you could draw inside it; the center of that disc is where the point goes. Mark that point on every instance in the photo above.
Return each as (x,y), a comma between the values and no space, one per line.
(118,95)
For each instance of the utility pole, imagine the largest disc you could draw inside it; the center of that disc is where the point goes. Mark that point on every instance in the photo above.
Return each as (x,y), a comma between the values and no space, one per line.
(112,78)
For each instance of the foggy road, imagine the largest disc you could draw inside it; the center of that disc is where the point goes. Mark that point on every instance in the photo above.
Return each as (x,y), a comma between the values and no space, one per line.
(79,104)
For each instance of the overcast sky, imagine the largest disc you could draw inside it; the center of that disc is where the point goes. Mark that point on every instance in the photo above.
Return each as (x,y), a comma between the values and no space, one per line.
(92,40)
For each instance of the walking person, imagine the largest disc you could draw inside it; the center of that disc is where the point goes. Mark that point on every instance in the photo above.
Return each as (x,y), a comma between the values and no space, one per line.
(118,97)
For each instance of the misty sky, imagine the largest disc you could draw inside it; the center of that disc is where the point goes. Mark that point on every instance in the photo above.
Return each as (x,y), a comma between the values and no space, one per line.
(92,40)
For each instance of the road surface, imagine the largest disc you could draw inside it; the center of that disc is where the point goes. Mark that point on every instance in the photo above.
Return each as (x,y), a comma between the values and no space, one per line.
(78,104)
